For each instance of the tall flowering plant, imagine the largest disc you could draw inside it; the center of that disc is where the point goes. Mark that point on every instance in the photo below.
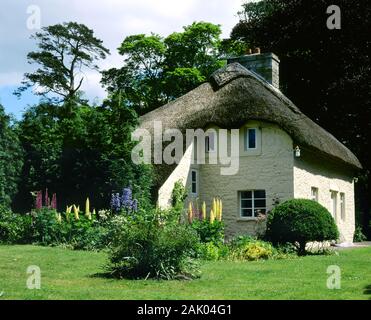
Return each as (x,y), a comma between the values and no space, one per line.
(47,203)
(124,201)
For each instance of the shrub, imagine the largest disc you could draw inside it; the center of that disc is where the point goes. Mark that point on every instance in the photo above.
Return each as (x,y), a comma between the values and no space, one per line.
(145,246)
(247,248)
(50,228)
(359,235)
(209,231)
(299,221)
(210,251)
(14,228)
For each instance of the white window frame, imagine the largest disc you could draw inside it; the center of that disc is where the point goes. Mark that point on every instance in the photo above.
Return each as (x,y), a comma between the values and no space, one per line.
(334,204)
(207,143)
(240,199)
(342,206)
(314,194)
(194,182)
(247,140)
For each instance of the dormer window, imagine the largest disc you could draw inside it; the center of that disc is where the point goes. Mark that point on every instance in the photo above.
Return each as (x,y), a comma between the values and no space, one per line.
(250,139)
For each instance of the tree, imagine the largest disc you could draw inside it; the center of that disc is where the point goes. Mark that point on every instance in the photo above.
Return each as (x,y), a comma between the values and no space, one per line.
(64,51)
(157,70)
(325,72)
(87,154)
(11,159)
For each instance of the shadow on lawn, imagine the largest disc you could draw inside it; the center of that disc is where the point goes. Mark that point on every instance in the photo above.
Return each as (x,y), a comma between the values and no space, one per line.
(368,291)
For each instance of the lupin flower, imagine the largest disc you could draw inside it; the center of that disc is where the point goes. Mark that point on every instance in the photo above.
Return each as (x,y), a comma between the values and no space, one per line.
(39,200)
(116,202)
(127,198)
(204,211)
(54,202)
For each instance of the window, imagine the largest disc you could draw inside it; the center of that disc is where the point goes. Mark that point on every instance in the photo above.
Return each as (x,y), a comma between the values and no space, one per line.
(342,206)
(252,203)
(314,194)
(210,142)
(194,182)
(334,204)
(250,139)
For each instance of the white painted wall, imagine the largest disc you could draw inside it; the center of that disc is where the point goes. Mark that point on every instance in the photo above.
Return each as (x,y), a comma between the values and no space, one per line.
(327,177)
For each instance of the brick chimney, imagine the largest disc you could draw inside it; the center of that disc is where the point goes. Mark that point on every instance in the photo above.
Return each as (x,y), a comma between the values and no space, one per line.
(267,65)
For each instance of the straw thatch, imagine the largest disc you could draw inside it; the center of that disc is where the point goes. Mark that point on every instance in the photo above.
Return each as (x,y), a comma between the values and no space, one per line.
(235,95)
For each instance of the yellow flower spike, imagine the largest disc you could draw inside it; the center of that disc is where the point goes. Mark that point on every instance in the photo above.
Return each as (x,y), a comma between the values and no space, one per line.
(204,211)
(190,212)
(221,210)
(76,212)
(94,212)
(87,207)
(212,216)
(214,206)
(68,212)
(59,217)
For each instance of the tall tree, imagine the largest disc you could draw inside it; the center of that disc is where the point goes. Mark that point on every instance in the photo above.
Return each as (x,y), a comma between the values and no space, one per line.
(11,159)
(327,73)
(157,70)
(64,51)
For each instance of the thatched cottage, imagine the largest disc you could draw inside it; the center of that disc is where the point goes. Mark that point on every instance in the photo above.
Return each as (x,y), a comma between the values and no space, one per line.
(282,153)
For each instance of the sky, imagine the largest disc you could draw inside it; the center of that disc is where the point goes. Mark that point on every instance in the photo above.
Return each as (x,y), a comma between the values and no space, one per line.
(111,20)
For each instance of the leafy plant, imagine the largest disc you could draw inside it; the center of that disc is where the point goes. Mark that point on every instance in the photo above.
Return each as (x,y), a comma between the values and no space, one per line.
(14,228)
(209,231)
(145,247)
(300,221)
(359,235)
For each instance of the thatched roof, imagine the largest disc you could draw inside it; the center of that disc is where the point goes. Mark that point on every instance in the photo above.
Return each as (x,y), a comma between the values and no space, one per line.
(235,95)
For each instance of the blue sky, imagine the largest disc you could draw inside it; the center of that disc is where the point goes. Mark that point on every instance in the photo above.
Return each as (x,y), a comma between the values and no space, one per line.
(112,21)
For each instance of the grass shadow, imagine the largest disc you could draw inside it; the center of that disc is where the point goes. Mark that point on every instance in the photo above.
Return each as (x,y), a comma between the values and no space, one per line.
(367,291)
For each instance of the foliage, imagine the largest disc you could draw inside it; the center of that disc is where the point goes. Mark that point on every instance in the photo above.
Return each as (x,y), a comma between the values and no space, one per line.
(11,159)
(213,252)
(64,50)
(146,247)
(331,82)
(157,70)
(14,228)
(179,194)
(299,221)
(247,248)
(359,235)
(209,231)
(84,154)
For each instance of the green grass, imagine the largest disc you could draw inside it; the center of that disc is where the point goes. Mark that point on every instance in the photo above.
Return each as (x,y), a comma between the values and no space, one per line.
(70,275)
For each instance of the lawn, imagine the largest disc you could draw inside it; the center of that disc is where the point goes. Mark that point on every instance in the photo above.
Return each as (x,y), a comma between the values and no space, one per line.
(73,275)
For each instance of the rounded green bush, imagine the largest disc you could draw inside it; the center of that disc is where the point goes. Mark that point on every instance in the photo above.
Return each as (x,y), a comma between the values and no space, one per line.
(299,221)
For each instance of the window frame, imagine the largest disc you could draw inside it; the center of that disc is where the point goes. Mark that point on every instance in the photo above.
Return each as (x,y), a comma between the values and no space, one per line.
(314,195)
(253,207)
(207,143)
(334,203)
(342,202)
(194,182)
(247,139)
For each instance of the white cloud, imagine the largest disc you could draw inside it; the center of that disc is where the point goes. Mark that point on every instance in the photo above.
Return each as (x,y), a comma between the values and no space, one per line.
(112,21)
